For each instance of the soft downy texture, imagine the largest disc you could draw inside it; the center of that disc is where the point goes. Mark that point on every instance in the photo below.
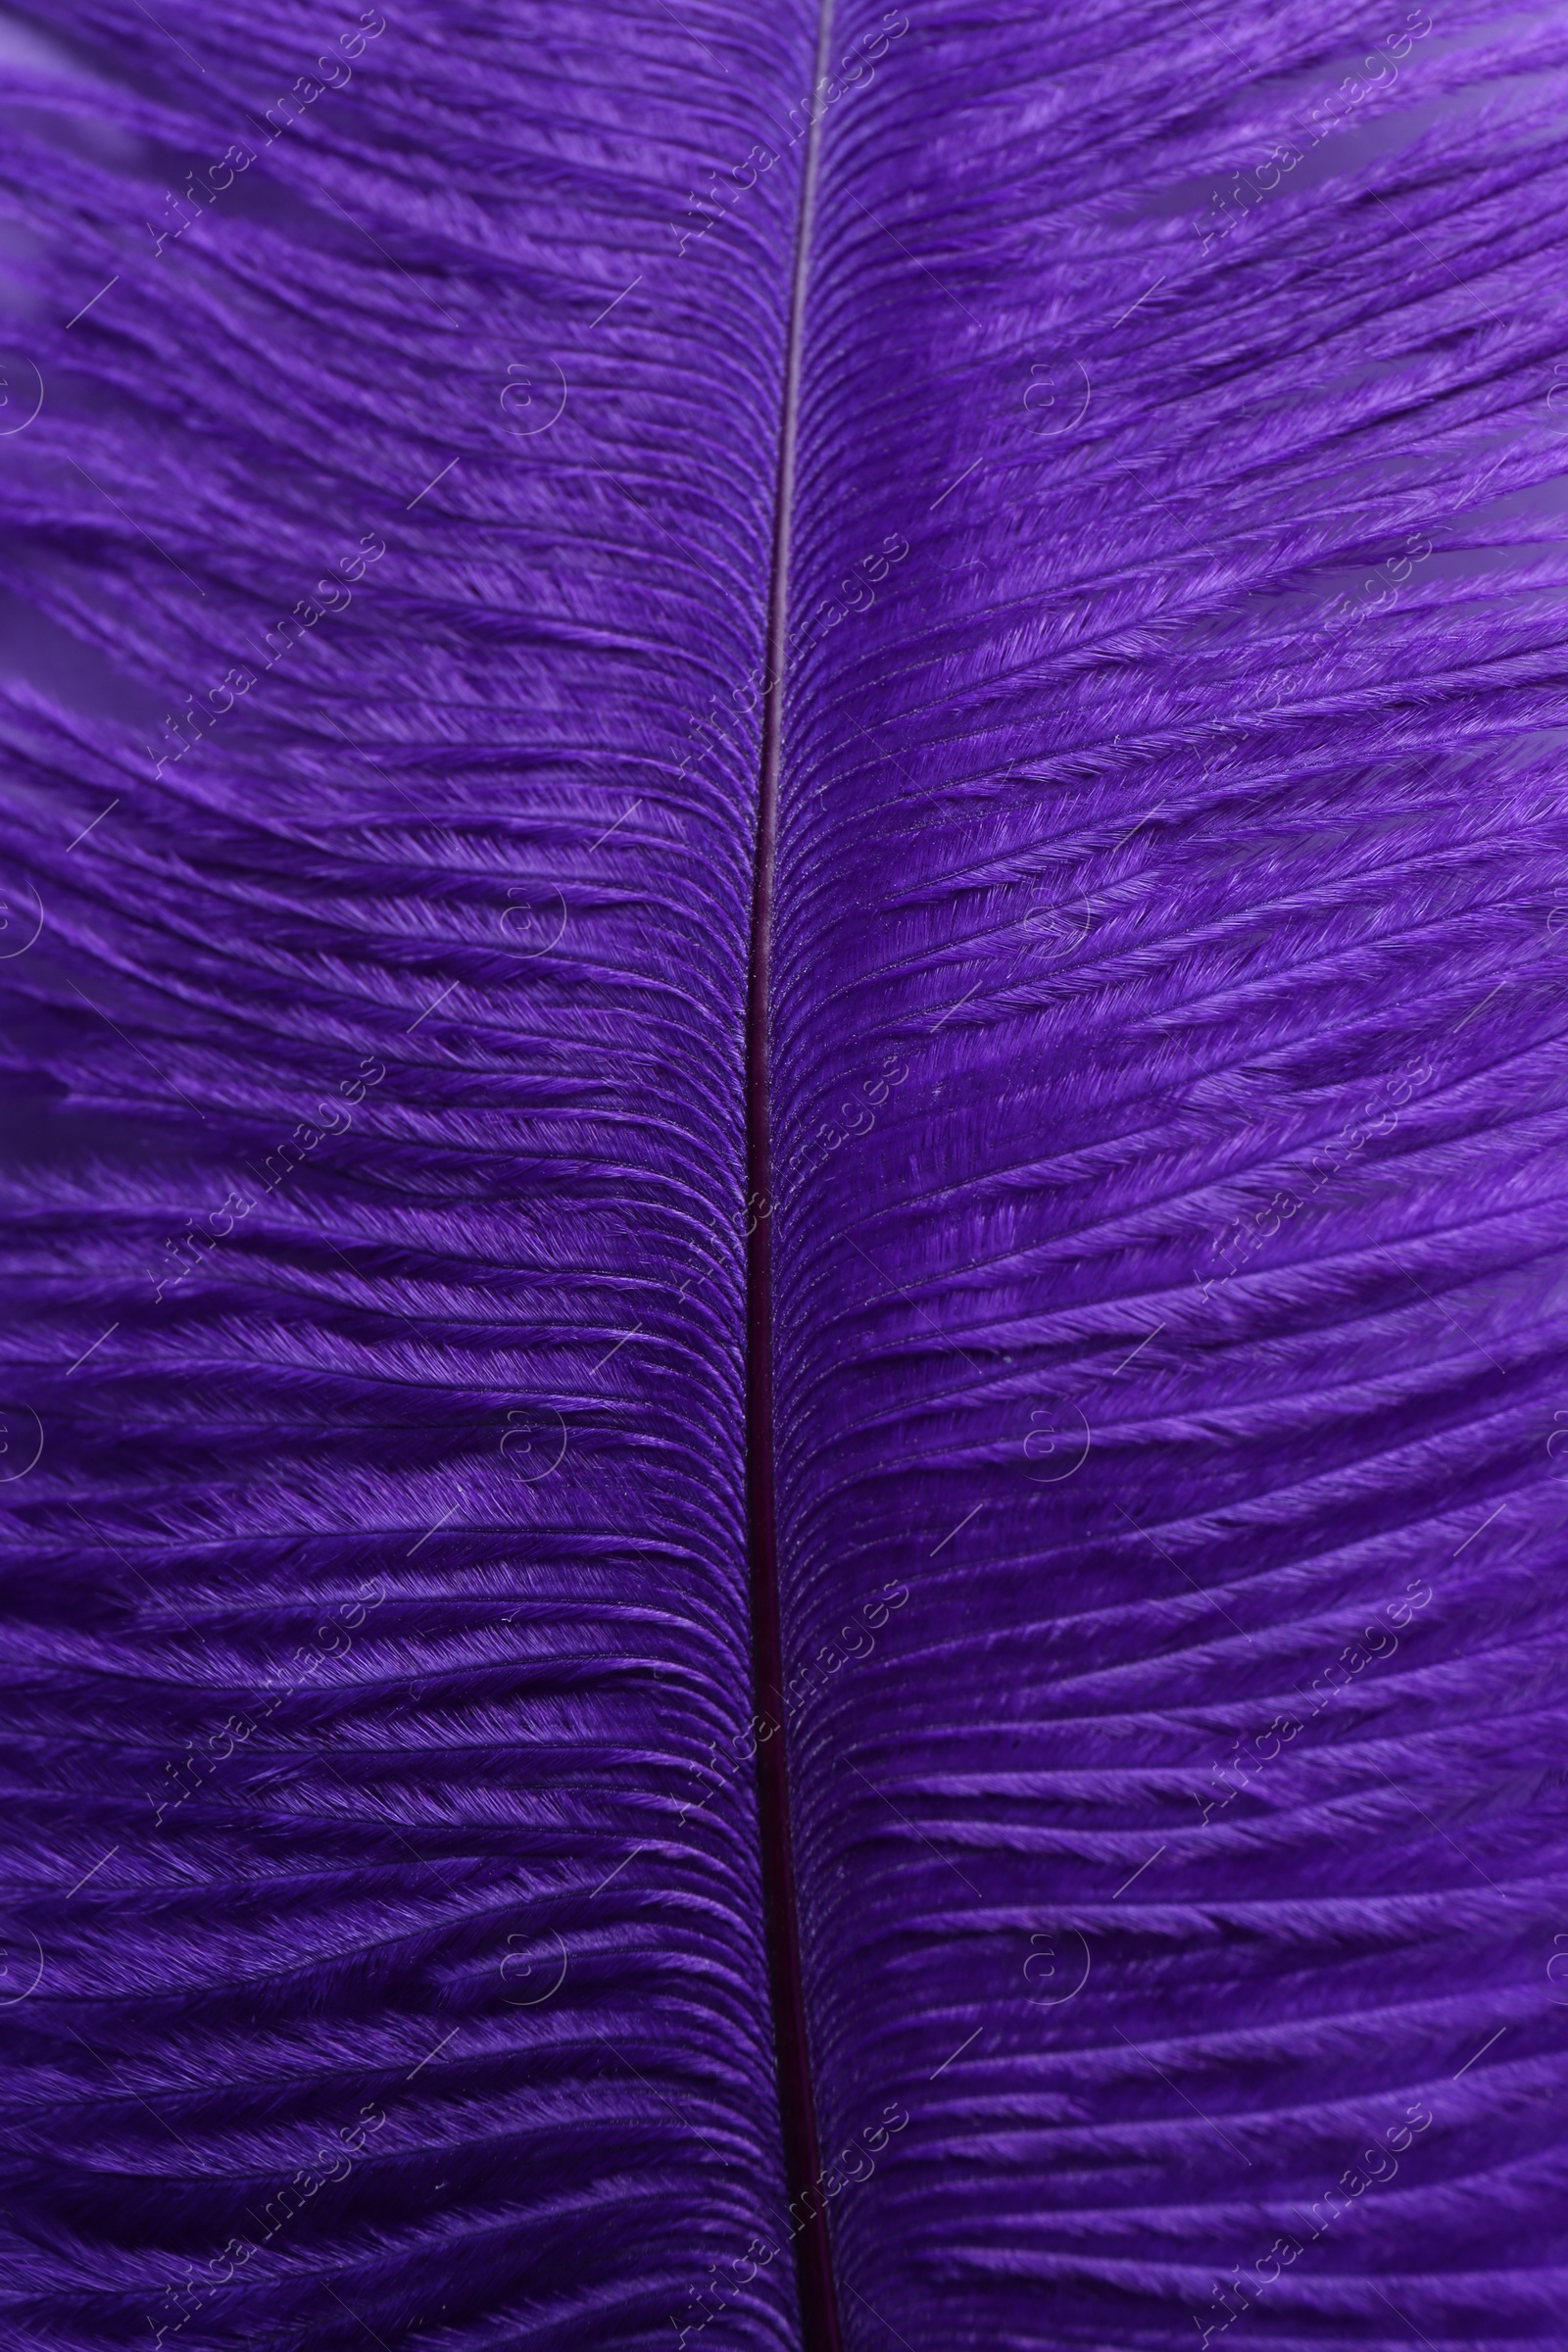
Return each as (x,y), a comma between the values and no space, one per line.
(1166,1332)
(1170,1020)
(383,1914)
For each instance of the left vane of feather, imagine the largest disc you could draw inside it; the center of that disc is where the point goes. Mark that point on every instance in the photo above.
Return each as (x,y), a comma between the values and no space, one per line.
(388,545)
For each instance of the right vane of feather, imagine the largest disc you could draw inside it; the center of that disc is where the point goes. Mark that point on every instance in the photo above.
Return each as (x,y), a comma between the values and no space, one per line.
(1168,1031)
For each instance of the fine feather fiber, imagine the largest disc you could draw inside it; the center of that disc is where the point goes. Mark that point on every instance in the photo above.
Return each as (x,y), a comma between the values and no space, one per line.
(1170,1080)
(1166,1211)
(384,1921)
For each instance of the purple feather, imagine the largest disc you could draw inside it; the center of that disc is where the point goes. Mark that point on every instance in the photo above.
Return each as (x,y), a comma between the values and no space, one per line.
(381,1682)
(1171,1073)
(783,854)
